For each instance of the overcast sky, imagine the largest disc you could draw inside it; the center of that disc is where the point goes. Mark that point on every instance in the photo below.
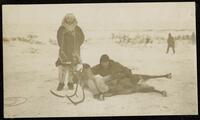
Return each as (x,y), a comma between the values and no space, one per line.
(108,16)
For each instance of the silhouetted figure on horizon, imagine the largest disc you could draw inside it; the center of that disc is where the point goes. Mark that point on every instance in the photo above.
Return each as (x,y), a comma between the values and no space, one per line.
(171,43)
(147,41)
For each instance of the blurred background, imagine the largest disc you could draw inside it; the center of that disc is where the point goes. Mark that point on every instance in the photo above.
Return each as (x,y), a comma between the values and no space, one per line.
(133,19)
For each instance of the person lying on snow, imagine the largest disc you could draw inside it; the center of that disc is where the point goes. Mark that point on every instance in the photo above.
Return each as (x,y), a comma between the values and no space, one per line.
(116,79)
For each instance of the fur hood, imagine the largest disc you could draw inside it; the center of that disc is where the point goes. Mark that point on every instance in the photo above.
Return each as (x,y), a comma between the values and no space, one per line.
(69,22)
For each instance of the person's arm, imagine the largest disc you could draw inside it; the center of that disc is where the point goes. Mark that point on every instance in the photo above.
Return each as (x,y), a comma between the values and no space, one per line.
(120,71)
(168,40)
(107,78)
(95,69)
(60,36)
(173,41)
(81,36)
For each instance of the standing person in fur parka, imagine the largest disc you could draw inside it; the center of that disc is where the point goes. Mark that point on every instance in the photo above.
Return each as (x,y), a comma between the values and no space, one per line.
(70,37)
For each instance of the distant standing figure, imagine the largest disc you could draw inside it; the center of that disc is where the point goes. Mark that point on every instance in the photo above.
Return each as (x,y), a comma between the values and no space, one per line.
(70,37)
(147,41)
(171,43)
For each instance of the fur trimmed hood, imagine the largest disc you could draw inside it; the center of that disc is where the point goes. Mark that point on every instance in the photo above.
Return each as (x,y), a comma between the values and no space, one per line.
(69,22)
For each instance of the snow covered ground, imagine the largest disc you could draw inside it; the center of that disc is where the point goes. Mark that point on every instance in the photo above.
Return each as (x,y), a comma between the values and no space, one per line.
(30,72)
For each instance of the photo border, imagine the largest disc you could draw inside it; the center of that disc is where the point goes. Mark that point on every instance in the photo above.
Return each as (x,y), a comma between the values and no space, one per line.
(156,117)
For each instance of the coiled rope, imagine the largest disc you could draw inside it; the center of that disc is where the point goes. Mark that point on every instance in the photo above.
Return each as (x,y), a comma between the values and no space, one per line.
(14,101)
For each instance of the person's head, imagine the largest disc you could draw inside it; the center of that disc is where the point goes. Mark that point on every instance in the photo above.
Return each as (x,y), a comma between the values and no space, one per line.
(104,61)
(69,21)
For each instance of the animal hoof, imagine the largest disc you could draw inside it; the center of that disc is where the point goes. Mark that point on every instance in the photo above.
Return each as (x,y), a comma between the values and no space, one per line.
(164,93)
(169,76)
(108,94)
(101,97)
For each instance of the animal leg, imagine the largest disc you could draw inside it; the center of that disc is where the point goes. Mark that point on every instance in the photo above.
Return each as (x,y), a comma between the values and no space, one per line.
(146,89)
(148,77)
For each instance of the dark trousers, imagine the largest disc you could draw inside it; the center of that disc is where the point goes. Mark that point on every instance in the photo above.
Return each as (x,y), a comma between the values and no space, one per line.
(168,47)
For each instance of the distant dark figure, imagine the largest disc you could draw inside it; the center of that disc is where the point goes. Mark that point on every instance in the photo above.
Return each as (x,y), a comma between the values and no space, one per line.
(171,43)
(147,41)
(193,38)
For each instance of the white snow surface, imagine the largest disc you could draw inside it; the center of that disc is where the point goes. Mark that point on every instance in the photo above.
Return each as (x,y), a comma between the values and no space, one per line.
(30,72)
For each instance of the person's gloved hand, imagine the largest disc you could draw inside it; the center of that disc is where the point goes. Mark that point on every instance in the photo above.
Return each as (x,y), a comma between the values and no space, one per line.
(79,67)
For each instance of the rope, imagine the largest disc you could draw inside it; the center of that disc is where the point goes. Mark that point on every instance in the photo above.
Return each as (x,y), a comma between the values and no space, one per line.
(16,101)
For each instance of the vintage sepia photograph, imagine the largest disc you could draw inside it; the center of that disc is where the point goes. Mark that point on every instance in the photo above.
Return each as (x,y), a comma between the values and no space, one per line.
(99,59)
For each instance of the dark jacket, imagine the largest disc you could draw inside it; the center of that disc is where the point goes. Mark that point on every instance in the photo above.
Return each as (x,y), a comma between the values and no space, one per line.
(171,41)
(69,43)
(121,76)
(115,69)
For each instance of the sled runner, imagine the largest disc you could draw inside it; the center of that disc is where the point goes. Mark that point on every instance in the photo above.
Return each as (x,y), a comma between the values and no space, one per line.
(56,94)
(69,97)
